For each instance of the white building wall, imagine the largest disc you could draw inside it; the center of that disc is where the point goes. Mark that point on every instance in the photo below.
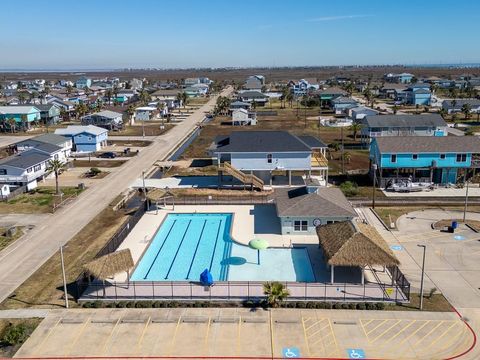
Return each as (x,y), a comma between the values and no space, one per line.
(280,161)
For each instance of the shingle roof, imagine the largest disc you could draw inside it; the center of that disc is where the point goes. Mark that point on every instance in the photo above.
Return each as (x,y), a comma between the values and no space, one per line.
(47,148)
(312,141)
(252,95)
(18,109)
(53,139)
(428,144)
(460,102)
(404,121)
(262,141)
(325,202)
(78,129)
(25,159)
(108,114)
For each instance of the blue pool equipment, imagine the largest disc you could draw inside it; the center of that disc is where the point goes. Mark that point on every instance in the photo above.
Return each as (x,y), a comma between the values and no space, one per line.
(206,278)
(454,225)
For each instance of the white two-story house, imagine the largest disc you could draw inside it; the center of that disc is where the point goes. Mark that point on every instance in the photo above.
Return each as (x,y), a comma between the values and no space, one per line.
(271,156)
(24,169)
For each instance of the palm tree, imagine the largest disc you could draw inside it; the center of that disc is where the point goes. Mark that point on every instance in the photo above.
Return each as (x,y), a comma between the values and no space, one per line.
(347,157)
(12,123)
(184,98)
(355,128)
(69,89)
(109,94)
(368,95)
(24,119)
(55,166)
(275,292)
(349,87)
(466,108)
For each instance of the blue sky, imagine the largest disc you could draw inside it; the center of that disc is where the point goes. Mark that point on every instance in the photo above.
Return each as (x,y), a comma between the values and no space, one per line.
(89,34)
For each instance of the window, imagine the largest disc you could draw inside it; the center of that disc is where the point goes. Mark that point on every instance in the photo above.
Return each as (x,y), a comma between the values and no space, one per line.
(3,171)
(443,156)
(55,156)
(414,156)
(269,158)
(331,222)
(37,167)
(461,157)
(29,170)
(300,225)
(393,158)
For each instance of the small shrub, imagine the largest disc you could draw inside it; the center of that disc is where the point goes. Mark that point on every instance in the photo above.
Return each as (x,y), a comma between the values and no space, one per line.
(290,304)
(352,306)
(120,304)
(88,304)
(349,188)
(320,305)
(328,305)
(311,305)
(130,304)
(301,305)
(361,306)
(141,304)
(110,305)
(370,306)
(97,304)
(205,304)
(345,306)
(380,306)
(337,306)
(172,304)
(15,334)
(431,292)
(95,171)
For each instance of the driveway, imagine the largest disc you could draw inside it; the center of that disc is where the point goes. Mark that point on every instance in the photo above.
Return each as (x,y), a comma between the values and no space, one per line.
(6,140)
(41,243)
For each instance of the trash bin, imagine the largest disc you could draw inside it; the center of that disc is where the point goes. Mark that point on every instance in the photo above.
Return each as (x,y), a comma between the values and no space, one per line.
(454,225)
(451,229)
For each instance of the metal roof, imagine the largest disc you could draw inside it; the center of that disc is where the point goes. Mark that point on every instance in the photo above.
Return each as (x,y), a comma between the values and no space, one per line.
(18,109)
(25,159)
(78,129)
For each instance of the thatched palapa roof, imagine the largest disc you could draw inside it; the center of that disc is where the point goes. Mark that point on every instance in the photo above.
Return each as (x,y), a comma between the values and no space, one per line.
(109,265)
(354,244)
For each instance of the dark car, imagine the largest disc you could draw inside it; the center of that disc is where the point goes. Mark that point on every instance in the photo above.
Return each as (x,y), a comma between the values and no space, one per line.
(108,155)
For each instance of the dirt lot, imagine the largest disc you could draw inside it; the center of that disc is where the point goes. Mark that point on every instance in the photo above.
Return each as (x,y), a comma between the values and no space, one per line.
(151,129)
(98,163)
(129,143)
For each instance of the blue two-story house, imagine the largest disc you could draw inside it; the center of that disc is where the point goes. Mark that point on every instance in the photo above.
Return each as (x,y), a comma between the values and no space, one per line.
(88,138)
(271,156)
(441,160)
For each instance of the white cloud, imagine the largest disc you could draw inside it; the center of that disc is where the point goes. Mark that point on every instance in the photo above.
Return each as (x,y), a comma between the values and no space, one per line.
(335,18)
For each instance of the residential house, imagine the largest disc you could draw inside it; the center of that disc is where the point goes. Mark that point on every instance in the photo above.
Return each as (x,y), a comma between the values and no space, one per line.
(437,159)
(390,91)
(359,112)
(402,125)
(66,105)
(169,97)
(416,94)
(342,104)
(254,82)
(239,105)
(24,169)
(145,113)
(196,90)
(327,95)
(252,97)
(260,153)
(456,105)
(303,87)
(303,209)
(86,138)
(191,81)
(106,119)
(65,144)
(136,84)
(23,115)
(49,113)
(243,117)
(403,78)
(83,82)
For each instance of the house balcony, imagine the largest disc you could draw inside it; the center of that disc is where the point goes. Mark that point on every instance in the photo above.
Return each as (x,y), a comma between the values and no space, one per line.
(319,161)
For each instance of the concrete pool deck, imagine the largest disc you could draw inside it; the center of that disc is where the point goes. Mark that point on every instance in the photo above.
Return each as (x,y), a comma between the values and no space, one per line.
(249,222)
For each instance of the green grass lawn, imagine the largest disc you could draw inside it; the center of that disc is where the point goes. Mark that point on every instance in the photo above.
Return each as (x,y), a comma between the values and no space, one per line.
(40,200)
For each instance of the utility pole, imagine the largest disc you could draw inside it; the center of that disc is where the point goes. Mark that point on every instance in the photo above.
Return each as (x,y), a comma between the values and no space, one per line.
(145,190)
(343,157)
(64,277)
(423,273)
(143,128)
(374,168)
(466,203)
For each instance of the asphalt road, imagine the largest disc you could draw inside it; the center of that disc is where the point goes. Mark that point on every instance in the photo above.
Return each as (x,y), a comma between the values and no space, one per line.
(40,244)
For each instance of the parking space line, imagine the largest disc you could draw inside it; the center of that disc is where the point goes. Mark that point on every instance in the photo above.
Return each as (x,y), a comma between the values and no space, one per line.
(271,334)
(412,334)
(376,327)
(105,345)
(334,337)
(306,339)
(383,333)
(442,335)
(368,322)
(454,338)
(316,332)
(239,334)
(140,340)
(207,333)
(39,347)
(431,331)
(79,334)
(401,331)
(172,344)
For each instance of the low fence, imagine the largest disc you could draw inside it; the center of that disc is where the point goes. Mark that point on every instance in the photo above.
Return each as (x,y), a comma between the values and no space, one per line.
(219,200)
(238,291)
(122,233)
(18,191)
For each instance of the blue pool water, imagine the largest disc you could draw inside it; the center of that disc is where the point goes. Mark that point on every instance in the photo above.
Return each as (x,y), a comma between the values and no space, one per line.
(187,244)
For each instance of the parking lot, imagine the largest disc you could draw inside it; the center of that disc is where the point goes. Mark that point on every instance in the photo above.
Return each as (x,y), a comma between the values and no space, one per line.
(242,332)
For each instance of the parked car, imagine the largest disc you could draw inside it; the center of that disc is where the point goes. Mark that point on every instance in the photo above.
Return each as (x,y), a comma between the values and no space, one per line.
(108,155)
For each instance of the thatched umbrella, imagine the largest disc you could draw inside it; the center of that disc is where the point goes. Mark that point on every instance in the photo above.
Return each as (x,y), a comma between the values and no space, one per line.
(349,243)
(109,265)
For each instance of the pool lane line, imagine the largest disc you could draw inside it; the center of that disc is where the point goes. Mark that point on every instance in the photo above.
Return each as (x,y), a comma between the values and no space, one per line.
(196,248)
(178,249)
(215,246)
(158,252)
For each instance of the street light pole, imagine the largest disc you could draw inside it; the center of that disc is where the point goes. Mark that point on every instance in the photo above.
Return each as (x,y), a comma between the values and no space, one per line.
(145,190)
(423,275)
(466,204)
(374,167)
(64,277)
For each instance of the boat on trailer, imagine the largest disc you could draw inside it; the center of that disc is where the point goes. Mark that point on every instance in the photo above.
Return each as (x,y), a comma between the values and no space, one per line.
(410,186)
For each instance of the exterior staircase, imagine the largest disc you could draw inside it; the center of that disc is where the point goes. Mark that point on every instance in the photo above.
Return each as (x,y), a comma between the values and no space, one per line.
(248,179)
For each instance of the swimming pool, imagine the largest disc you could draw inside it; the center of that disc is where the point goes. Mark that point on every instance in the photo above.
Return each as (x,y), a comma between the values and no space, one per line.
(186,244)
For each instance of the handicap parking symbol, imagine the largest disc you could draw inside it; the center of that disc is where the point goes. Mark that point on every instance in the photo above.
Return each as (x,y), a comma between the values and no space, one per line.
(396,247)
(356,354)
(291,353)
